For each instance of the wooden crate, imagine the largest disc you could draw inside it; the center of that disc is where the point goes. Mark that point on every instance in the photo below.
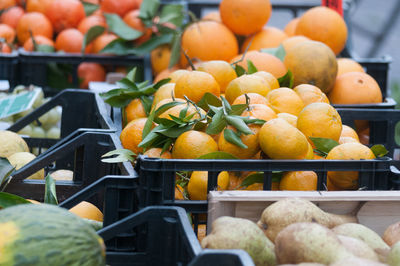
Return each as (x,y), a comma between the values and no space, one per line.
(374,209)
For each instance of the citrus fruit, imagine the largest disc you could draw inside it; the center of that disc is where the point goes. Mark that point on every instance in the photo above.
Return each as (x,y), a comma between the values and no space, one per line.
(175,75)
(355,88)
(280,140)
(292,41)
(40,40)
(159,58)
(11,143)
(310,94)
(246,84)
(11,16)
(156,153)
(63,174)
(291,119)
(254,98)
(214,15)
(134,110)
(285,100)
(343,140)
(38,5)
(299,180)
(197,186)
(290,28)
(260,111)
(251,141)
(320,120)
(193,144)
(88,72)
(195,84)
(87,210)
(263,62)
(165,74)
(174,110)
(132,20)
(102,41)
(268,37)
(120,7)
(166,91)
(209,40)
(346,65)
(325,25)
(65,14)
(91,21)
(69,41)
(7,33)
(131,135)
(312,63)
(348,132)
(5,48)
(36,23)
(245,17)
(179,192)
(269,78)
(7,3)
(222,71)
(348,151)
(20,159)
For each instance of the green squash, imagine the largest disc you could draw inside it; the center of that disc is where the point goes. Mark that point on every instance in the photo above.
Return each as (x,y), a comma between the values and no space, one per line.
(42,234)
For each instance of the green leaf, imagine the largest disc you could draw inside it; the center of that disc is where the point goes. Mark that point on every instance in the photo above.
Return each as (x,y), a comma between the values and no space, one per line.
(123,155)
(44,48)
(175,50)
(218,155)
(120,28)
(239,70)
(259,178)
(90,35)
(131,76)
(209,99)
(172,13)
(232,137)
(251,68)
(323,145)
(286,80)
(50,196)
(9,200)
(379,150)
(148,9)
(226,106)
(278,52)
(238,123)
(5,170)
(89,8)
(255,121)
(238,109)
(218,123)
(146,102)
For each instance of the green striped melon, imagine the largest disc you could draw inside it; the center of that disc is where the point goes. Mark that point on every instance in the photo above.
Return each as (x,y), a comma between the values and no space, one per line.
(42,234)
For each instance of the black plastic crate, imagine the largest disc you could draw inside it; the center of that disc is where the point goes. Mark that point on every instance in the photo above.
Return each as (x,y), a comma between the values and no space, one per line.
(9,68)
(34,66)
(79,152)
(164,236)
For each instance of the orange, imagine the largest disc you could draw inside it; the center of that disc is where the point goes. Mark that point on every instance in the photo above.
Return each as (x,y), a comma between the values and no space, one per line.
(214,15)
(40,6)
(209,40)
(174,110)
(131,135)
(7,3)
(299,180)
(348,151)
(193,144)
(364,135)
(313,63)
(197,186)
(40,40)
(222,71)
(285,100)
(349,132)
(65,14)
(347,140)
(102,41)
(346,65)
(179,191)
(89,22)
(195,84)
(7,33)
(35,22)
(269,78)
(33,201)
(11,16)
(268,37)
(330,186)
(290,28)
(120,7)
(355,88)
(251,141)
(320,120)
(246,84)
(164,74)
(254,98)
(292,41)
(156,153)
(310,94)
(166,91)
(132,20)
(134,110)
(263,62)
(175,75)
(5,48)
(69,41)
(325,25)
(291,119)
(245,17)
(280,140)
(88,72)
(159,58)
(260,111)
(87,210)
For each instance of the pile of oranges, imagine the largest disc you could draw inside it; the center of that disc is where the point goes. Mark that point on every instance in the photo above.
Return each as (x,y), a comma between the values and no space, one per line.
(62,24)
